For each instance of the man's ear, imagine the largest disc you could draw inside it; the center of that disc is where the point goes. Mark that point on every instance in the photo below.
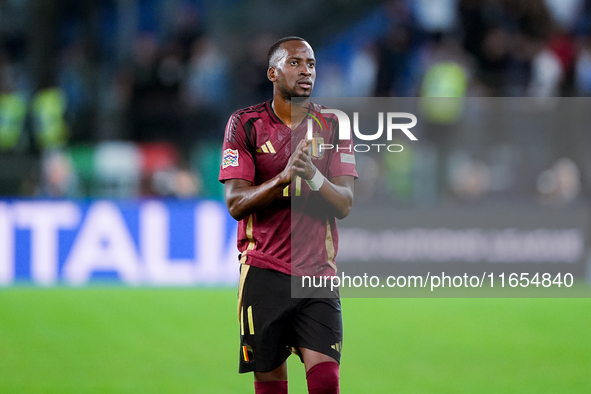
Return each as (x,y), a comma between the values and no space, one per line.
(271,74)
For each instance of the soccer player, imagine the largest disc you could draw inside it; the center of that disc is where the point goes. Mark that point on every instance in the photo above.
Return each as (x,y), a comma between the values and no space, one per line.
(266,155)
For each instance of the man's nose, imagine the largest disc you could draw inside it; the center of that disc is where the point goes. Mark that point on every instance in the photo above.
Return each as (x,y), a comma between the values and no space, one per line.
(305,71)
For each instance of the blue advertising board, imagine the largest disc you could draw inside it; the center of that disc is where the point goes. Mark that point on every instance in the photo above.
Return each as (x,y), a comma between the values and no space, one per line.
(136,242)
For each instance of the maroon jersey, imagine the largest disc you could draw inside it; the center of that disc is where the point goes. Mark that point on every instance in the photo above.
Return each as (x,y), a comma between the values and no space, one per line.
(296,233)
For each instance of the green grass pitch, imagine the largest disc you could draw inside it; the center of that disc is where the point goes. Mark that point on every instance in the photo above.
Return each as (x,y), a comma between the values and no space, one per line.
(139,340)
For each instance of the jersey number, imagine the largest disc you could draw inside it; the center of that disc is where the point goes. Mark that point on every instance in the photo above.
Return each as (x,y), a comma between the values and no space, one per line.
(298,187)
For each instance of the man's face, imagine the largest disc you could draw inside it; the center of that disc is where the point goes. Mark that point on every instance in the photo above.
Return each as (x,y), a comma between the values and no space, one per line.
(295,70)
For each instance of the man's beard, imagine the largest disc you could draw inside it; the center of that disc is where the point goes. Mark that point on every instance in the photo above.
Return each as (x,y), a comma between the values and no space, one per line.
(288,93)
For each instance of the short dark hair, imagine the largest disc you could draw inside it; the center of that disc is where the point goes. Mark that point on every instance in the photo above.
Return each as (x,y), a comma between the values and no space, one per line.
(275,47)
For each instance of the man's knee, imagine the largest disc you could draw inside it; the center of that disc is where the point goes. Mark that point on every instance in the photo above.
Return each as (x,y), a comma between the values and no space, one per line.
(279,373)
(273,382)
(323,378)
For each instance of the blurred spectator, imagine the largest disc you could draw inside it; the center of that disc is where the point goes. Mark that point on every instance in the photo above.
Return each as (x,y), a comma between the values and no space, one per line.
(58,176)
(447,75)
(470,179)
(332,83)
(582,24)
(494,61)
(13,108)
(252,71)
(531,17)
(399,172)
(486,38)
(394,61)
(561,183)
(436,15)
(563,46)
(49,108)
(453,81)
(205,90)
(188,28)
(175,182)
(443,90)
(186,184)
(73,80)
(565,12)
(117,169)
(207,77)
(154,79)
(370,175)
(472,16)
(583,68)
(161,172)
(362,72)
(547,73)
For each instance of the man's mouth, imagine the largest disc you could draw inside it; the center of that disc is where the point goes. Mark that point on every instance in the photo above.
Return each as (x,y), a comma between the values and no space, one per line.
(305,84)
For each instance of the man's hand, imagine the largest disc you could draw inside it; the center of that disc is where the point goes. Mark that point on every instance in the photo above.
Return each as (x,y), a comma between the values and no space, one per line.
(297,164)
(302,165)
(242,198)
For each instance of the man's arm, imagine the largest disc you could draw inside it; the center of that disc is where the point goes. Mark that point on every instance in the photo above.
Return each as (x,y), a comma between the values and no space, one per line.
(242,198)
(338,192)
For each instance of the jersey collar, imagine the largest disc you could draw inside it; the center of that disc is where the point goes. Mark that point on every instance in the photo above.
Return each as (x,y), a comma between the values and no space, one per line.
(275,118)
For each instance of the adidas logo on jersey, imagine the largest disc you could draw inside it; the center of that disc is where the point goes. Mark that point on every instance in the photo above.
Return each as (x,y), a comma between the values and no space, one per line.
(266,148)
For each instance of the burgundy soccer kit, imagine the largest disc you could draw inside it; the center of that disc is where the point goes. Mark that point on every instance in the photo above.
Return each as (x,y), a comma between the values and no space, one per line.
(296,233)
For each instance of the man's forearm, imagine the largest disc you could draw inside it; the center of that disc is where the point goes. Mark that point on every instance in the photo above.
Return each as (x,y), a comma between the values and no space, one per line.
(243,199)
(338,193)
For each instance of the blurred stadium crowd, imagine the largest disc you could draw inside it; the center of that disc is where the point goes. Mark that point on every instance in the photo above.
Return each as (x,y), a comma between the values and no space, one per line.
(130,97)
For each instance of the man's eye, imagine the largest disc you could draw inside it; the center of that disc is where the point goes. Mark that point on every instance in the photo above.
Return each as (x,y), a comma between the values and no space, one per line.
(311,65)
(293,63)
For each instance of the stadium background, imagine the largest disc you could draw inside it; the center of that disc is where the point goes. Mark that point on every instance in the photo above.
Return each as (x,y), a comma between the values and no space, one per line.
(111,114)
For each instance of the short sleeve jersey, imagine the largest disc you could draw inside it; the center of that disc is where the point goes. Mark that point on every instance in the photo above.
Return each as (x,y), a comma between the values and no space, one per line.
(296,233)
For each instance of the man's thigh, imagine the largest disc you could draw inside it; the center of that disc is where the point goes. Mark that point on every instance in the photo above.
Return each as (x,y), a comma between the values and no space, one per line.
(318,326)
(266,320)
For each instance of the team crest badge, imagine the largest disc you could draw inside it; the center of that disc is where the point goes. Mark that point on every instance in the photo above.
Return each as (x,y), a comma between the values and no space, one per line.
(230,158)
(315,146)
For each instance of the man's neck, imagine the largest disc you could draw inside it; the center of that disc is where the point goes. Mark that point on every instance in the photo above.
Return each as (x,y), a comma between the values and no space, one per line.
(283,110)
